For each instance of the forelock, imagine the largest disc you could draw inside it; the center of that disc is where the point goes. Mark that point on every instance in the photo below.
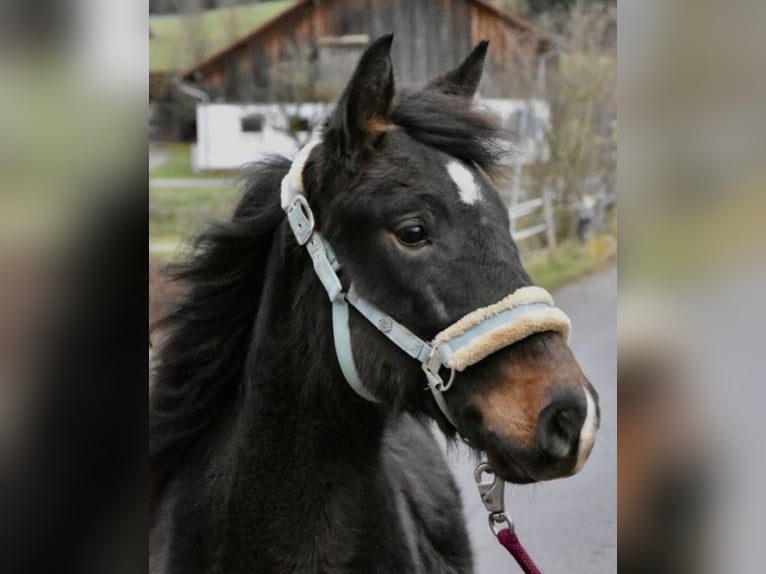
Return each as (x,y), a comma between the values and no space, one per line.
(448,124)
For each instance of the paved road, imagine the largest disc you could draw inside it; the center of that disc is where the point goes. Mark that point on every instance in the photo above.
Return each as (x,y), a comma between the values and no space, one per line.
(568,526)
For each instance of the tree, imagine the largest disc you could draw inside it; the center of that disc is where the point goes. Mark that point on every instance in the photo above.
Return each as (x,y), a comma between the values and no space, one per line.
(546,6)
(581,135)
(536,8)
(163,6)
(177,6)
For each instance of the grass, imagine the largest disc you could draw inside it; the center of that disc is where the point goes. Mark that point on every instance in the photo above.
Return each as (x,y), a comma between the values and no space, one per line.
(573,260)
(569,262)
(178,213)
(171,47)
(178,165)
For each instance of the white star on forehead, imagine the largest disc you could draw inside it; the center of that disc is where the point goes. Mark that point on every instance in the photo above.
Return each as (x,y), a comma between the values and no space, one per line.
(466,183)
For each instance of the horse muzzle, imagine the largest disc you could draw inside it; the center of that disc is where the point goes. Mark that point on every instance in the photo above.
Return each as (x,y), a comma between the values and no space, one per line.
(538,414)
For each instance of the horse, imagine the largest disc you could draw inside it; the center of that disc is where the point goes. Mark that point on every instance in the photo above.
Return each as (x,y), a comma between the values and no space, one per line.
(263,457)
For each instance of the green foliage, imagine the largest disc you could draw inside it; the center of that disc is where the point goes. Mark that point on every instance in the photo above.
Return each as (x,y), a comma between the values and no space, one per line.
(176,37)
(540,6)
(535,8)
(569,262)
(520,7)
(581,93)
(176,6)
(178,165)
(178,162)
(177,213)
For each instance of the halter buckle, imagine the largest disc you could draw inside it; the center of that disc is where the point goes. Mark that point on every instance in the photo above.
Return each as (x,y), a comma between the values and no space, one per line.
(301,218)
(324,269)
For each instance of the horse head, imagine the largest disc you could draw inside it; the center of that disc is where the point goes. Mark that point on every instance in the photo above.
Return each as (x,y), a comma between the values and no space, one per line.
(402,189)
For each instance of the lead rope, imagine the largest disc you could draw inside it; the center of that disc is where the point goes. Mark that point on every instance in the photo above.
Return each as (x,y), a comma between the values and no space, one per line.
(493,498)
(511,543)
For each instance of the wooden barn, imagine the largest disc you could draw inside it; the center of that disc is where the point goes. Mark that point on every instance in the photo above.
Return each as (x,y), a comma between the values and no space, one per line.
(308,50)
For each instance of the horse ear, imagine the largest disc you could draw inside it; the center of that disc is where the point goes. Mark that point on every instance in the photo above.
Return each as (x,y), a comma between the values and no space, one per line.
(463,80)
(364,105)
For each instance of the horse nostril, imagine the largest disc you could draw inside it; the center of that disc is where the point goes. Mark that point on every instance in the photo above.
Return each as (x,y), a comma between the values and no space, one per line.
(559,428)
(563,420)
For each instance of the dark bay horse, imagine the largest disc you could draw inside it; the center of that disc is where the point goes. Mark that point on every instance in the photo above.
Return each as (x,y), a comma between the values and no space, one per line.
(263,458)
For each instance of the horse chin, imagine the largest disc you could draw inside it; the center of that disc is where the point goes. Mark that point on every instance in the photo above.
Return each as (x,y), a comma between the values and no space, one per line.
(518,465)
(510,470)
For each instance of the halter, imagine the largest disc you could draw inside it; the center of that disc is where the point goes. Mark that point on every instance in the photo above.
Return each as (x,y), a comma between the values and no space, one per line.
(526,311)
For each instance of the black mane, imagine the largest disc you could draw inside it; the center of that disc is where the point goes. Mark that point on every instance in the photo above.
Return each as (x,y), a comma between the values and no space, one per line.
(208,332)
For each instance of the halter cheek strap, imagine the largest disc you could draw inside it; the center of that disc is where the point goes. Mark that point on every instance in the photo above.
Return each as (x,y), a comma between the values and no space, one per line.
(466,342)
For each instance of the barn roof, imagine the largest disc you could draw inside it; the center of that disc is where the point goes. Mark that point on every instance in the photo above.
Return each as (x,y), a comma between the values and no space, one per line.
(169,44)
(545,38)
(516,21)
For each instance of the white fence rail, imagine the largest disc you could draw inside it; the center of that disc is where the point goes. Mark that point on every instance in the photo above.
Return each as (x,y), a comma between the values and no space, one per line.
(547,226)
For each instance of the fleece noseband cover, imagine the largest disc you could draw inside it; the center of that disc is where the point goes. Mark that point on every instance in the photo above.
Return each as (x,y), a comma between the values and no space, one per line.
(526,311)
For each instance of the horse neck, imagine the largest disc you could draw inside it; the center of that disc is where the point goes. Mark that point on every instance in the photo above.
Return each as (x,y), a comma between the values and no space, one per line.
(296,400)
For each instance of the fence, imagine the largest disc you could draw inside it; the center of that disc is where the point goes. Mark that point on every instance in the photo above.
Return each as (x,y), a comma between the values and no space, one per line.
(518,210)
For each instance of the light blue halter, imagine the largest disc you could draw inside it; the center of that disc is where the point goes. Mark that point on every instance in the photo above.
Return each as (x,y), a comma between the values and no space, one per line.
(455,348)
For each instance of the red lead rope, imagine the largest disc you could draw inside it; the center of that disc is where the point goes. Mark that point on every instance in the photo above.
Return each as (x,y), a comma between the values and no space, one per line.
(512,544)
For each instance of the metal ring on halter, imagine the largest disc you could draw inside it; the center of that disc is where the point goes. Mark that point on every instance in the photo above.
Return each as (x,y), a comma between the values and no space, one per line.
(439,383)
(496,519)
(445,387)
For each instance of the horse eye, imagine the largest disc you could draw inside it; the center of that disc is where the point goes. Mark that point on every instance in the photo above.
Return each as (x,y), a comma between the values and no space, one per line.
(412,236)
